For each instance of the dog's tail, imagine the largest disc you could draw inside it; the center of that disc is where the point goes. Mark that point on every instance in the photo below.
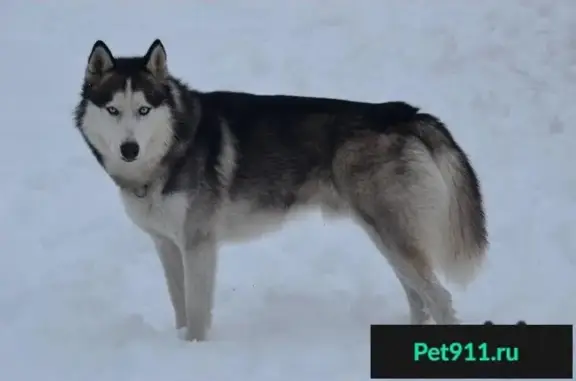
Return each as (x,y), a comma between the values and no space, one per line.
(464,231)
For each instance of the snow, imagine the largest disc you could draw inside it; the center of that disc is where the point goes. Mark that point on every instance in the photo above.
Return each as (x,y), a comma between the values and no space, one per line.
(82,295)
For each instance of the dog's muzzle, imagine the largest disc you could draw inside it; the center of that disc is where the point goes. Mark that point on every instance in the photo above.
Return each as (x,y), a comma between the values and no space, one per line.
(129,150)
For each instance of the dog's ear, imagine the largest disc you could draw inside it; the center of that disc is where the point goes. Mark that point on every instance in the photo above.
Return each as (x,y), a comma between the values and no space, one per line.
(100,61)
(155,60)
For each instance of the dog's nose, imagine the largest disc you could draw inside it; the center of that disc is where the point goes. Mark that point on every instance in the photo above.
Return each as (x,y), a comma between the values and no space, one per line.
(129,151)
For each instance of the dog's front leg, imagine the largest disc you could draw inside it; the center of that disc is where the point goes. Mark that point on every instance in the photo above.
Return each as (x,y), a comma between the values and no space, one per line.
(199,259)
(171,259)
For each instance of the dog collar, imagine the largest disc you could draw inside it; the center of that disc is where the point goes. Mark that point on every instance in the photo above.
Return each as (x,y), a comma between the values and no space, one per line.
(141,192)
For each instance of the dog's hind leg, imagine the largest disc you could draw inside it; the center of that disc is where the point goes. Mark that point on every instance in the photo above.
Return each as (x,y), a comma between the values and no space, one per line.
(171,260)
(418,312)
(426,295)
(401,200)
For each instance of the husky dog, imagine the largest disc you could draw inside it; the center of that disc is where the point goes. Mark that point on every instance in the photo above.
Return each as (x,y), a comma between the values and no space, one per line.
(196,169)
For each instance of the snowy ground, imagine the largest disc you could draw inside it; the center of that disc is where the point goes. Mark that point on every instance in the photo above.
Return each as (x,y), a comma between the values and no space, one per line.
(82,296)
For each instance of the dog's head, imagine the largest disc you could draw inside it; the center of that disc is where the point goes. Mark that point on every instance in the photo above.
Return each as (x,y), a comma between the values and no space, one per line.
(125,114)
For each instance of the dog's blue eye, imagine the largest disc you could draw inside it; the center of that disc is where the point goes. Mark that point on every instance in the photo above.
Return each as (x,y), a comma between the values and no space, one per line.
(112,110)
(143,110)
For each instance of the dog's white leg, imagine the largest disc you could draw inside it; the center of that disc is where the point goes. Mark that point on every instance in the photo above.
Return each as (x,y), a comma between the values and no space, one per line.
(171,259)
(419,314)
(200,259)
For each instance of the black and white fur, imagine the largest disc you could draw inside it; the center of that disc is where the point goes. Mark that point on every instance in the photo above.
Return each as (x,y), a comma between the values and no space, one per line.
(196,169)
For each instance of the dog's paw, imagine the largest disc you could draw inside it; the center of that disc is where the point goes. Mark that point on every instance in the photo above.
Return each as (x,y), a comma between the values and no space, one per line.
(181,333)
(184,334)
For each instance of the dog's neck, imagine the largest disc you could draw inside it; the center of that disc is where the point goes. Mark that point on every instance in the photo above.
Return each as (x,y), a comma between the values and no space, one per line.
(140,191)
(140,188)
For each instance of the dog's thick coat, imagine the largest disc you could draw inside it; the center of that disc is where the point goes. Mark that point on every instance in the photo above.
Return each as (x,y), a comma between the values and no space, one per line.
(195,169)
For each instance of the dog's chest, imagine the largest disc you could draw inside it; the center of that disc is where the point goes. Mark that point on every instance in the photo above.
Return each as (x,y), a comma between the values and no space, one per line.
(158,214)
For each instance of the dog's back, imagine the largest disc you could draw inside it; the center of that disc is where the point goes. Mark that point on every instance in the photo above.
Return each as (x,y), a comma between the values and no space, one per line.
(286,142)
